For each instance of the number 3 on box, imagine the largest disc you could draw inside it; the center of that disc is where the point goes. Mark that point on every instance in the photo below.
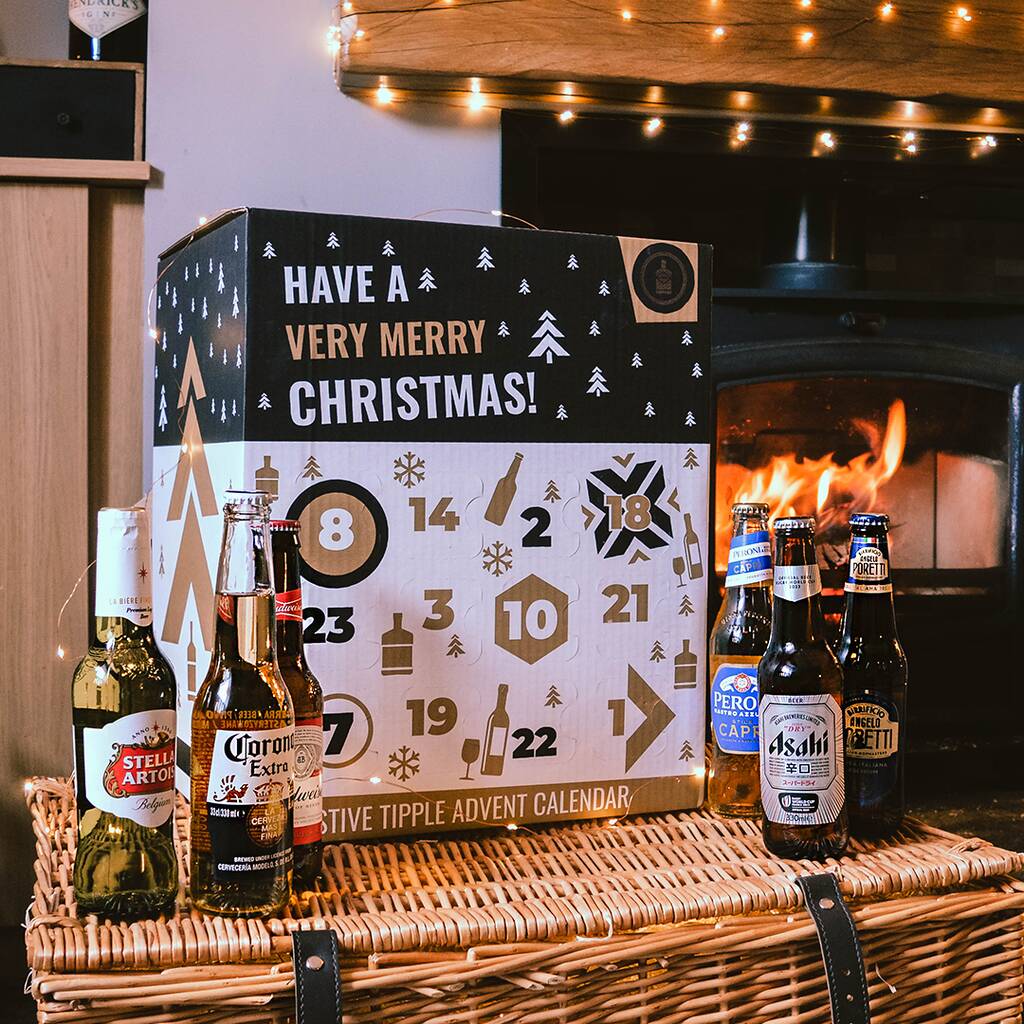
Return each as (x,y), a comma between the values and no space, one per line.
(442,515)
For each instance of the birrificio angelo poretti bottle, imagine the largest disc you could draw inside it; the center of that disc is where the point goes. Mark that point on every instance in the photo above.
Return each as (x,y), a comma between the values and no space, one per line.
(801,714)
(123,699)
(243,734)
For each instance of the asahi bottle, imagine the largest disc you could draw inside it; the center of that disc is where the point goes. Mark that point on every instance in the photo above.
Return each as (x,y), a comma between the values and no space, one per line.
(738,640)
(123,698)
(243,733)
(801,715)
(307,699)
(874,684)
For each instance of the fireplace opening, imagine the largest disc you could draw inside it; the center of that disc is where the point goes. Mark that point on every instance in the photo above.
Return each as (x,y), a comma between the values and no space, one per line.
(930,454)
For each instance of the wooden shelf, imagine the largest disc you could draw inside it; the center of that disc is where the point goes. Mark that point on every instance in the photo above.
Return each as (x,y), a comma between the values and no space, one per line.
(93,172)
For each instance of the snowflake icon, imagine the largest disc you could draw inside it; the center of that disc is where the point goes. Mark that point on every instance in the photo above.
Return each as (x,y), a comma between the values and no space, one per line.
(403,763)
(410,469)
(497,558)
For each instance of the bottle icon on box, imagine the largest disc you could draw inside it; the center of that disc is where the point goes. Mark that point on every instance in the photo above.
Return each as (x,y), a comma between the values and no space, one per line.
(267,478)
(396,649)
(496,736)
(504,493)
(691,547)
(190,662)
(686,668)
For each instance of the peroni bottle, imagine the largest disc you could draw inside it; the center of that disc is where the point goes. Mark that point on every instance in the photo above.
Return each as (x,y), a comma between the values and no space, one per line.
(738,640)
(123,698)
(307,700)
(243,732)
(874,684)
(801,715)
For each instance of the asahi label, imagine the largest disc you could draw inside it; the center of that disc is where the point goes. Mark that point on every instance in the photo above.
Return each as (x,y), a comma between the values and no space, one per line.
(796,582)
(750,559)
(129,767)
(869,567)
(308,800)
(123,585)
(288,605)
(734,704)
(98,18)
(801,758)
(249,801)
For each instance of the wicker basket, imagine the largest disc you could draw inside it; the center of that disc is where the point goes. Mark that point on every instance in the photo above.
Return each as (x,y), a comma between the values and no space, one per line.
(673,918)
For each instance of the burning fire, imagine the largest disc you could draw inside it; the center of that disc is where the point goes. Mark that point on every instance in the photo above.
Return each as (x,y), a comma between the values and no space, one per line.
(792,485)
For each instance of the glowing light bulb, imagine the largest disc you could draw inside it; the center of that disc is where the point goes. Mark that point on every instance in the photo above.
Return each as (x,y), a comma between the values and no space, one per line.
(741,134)
(627,15)
(653,126)
(827,140)
(375,780)
(154,333)
(347,6)
(718,32)
(28,786)
(566,116)
(384,94)
(613,821)
(989,142)
(476,99)
(60,652)
(806,37)
(512,826)
(806,3)
(886,10)
(964,14)
(360,33)
(333,39)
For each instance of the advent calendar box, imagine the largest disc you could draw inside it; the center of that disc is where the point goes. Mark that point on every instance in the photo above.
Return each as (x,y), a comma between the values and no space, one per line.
(497,443)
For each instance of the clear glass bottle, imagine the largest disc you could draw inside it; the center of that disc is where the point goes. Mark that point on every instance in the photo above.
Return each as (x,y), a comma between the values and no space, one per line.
(243,734)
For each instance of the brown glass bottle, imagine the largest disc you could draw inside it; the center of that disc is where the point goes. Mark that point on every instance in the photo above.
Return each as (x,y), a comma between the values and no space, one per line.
(738,640)
(307,699)
(801,718)
(243,732)
(874,684)
(123,713)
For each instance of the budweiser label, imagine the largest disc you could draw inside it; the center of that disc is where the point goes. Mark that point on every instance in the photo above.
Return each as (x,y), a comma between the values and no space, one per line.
(123,586)
(288,605)
(308,799)
(98,18)
(129,767)
(801,758)
(796,582)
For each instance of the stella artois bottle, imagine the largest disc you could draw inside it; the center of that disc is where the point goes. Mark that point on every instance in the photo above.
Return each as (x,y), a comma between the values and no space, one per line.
(308,699)
(123,698)
(243,734)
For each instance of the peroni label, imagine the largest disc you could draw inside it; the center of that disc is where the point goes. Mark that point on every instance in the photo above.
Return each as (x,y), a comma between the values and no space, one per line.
(734,707)
(750,559)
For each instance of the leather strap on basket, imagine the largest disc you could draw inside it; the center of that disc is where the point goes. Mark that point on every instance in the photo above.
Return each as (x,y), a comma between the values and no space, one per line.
(840,949)
(317,981)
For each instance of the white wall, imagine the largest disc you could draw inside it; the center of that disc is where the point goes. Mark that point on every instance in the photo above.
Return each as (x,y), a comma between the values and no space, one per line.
(34,29)
(242,110)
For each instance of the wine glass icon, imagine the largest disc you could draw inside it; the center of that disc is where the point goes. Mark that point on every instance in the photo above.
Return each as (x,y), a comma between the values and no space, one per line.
(470,752)
(679,568)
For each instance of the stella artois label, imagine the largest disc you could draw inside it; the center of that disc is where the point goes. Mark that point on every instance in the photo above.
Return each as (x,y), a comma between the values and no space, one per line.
(98,18)
(123,585)
(129,767)
(288,605)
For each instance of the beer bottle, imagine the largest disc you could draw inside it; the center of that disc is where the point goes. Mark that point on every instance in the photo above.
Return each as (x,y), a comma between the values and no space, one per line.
(243,731)
(123,698)
(874,684)
(738,639)
(801,688)
(307,699)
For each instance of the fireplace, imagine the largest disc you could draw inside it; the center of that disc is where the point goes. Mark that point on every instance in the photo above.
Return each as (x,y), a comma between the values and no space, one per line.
(869,354)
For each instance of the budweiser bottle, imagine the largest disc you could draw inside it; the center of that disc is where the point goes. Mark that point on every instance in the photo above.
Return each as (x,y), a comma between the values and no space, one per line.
(308,701)
(123,698)
(243,732)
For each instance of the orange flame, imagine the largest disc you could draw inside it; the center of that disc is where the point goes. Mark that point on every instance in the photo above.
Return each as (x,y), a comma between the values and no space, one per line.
(793,485)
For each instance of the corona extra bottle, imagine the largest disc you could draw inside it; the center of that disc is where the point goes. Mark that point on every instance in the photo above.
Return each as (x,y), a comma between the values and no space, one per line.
(738,639)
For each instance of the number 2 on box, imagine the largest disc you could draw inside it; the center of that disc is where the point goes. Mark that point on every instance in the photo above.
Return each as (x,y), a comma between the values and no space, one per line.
(441,515)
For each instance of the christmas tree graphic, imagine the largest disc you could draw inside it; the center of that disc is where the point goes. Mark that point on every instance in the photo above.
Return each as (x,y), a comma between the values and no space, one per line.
(594,329)
(332,241)
(686,605)
(686,751)
(561,414)
(687,338)
(213,406)
(554,698)
(690,461)
(503,331)
(264,402)
(209,269)
(484,262)
(193,304)
(163,343)
(225,360)
(268,252)
(197,269)
(218,320)
(657,651)
(311,470)
(180,324)
(598,385)
(234,303)
(603,289)
(204,307)
(455,648)
(238,355)
(162,570)
(174,299)
(547,333)
(211,349)
(696,371)
(573,263)
(174,361)
(636,362)
(220,278)
(427,280)
(524,287)
(387,249)
(551,491)
(223,411)
(163,408)
(234,408)
(236,243)
(186,271)
(649,409)
(691,420)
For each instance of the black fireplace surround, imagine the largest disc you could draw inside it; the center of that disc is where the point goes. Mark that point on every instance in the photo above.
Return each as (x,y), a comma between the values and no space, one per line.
(863,266)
